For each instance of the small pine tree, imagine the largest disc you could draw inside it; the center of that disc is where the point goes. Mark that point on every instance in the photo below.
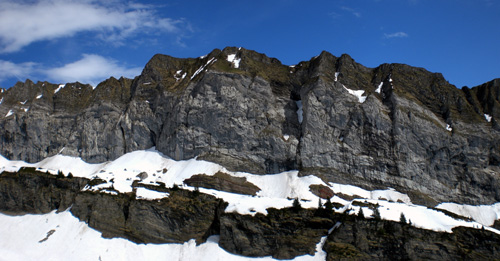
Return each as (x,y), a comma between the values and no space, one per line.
(296,204)
(328,205)
(70,175)
(175,187)
(376,214)
(402,218)
(320,205)
(361,214)
(60,174)
(409,222)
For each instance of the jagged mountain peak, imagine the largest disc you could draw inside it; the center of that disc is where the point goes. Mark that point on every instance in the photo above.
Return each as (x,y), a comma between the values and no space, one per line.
(393,125)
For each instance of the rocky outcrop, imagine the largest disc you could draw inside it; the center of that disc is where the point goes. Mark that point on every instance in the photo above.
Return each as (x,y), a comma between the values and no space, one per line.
(408,128)
(182,216)
(368,239)
(283,234)
(223,182)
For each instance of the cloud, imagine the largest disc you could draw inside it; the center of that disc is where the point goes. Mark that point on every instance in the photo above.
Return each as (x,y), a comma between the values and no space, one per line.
(352,11)
(11,70)
(24,22)
(90,69)
(396,35)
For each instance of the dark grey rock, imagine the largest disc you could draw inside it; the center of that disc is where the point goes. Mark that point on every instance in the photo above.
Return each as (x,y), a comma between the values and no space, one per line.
(246,120)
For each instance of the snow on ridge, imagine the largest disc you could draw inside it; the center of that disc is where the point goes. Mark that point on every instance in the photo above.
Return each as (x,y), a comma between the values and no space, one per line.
(178,75)
(235,61)
(59,88)
(203,67)
(448,127)
(24,102)
(151,167)
(9,113)
(357,93)
(1,100)
(337,75)
(484,214)
(147,194)
(39,96)
(487,117)
(379,88)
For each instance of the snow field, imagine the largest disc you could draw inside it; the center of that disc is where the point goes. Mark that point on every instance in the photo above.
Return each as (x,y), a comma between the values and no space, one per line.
(277,190)
(61,236)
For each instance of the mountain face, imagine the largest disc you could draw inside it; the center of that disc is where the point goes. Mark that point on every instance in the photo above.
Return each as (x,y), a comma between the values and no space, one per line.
(391,126)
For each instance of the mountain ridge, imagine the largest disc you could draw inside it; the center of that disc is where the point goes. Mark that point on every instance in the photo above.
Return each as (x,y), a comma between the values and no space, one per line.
(389,126)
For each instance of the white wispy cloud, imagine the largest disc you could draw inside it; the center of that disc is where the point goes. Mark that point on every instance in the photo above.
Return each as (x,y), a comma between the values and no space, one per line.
(396,35)
(12,70)
(351,10)
(24,22)
(90,69)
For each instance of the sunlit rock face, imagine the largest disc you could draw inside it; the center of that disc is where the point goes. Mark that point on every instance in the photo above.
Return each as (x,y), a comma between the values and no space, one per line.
(390,126)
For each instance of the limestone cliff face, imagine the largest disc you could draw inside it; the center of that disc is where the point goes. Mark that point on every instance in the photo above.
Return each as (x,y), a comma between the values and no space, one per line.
(407,128)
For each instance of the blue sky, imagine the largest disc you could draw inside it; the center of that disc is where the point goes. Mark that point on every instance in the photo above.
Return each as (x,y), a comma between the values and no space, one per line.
(88,41)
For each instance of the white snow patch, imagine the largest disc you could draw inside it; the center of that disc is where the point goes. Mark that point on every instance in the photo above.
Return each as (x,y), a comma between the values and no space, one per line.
(379,88)
(235,61)
(357,93)
(484,214)
(59,88)
(146,83)
(144,193)
(448,127)
(25,109)
(39,96)
(286,137)
(9,113)
(178,75)
(24,102)
(2,90)
(203,67)
(1,100)
(487,117)
(56,236)
(337,75)
(387,194)
(420,216)
(300,112)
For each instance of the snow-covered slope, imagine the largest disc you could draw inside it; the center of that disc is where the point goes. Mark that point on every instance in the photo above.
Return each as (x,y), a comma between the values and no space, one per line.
(153,168)
(61,236)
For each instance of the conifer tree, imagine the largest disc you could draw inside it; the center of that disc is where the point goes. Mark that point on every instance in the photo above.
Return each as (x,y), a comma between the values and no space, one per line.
(402,218)
(361,214)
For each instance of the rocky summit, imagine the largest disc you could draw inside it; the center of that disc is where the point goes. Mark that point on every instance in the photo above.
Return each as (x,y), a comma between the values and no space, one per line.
(391,126)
